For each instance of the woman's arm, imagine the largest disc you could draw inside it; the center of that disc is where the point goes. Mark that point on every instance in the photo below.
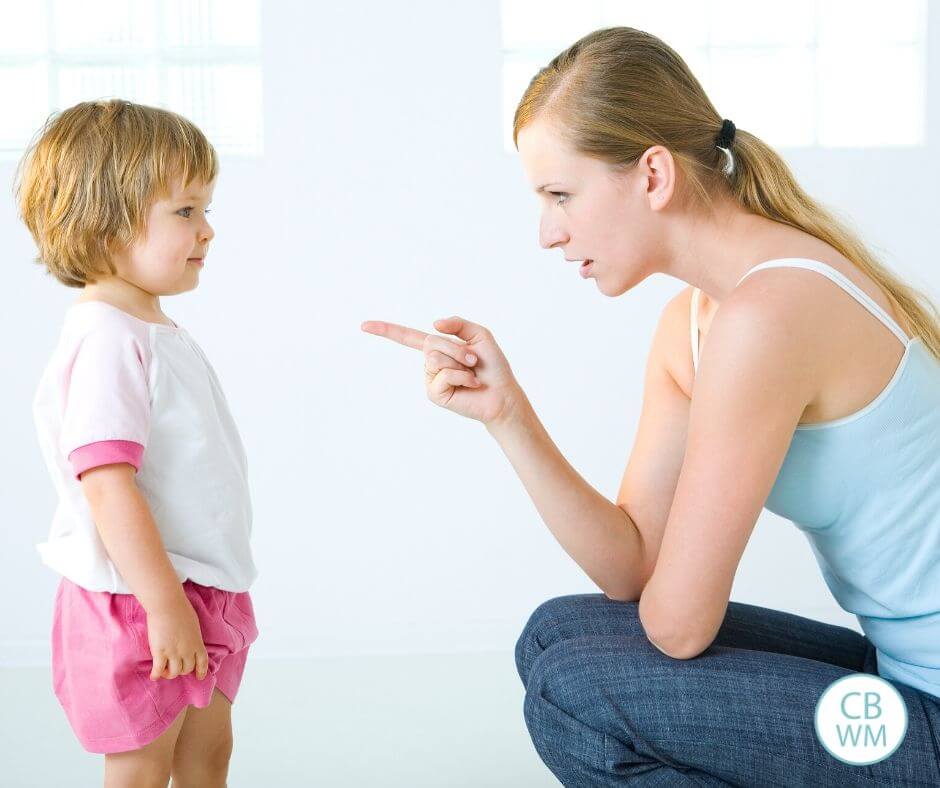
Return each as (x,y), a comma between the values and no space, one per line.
(595,532)
(615,549)
(617,544)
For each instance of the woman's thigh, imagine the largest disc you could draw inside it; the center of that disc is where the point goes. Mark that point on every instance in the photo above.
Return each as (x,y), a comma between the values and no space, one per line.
(604,706)
(744,626)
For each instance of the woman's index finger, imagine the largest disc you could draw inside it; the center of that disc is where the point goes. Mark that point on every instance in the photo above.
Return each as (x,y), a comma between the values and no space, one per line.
(410,337)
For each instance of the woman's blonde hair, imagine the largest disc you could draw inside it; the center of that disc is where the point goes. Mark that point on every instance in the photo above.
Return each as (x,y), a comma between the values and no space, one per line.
(85,184)
(618,91)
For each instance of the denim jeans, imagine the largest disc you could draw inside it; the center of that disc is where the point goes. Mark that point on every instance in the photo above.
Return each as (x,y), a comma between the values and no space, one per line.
(605,707)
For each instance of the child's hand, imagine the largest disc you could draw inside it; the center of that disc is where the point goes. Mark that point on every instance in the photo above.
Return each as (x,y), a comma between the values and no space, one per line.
(176,642)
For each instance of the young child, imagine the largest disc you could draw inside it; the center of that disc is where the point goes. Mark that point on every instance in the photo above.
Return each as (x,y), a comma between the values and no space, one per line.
(152,619)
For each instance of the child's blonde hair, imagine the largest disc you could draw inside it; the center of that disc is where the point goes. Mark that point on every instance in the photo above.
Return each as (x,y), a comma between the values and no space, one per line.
(618,91)
(85,184)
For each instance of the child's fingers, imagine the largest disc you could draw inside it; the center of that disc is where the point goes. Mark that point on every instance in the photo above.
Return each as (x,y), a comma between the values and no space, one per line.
(174,667)
(189,664)
(202,664)
(159,665)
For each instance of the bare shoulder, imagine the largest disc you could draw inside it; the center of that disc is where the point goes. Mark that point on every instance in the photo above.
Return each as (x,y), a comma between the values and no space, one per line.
(673,339)
(774,311)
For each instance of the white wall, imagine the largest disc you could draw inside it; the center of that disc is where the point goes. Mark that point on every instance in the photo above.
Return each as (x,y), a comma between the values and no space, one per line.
(383,523)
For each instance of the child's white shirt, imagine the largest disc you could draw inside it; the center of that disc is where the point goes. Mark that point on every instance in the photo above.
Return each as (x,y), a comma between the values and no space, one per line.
(120,389)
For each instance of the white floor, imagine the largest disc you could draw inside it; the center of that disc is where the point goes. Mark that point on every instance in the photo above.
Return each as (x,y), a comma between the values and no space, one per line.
(441,721)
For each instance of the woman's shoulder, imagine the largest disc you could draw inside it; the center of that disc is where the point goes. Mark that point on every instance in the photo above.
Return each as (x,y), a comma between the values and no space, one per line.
(784,304)
(797,291)
(673,340)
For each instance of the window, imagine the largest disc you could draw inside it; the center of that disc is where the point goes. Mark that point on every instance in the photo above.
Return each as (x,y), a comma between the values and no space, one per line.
(822,73)
(201,58)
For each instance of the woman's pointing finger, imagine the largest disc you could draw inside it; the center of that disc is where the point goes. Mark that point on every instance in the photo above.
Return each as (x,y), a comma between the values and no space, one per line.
(410,337)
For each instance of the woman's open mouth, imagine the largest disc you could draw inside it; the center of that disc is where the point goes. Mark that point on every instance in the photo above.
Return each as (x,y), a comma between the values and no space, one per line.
(585,269)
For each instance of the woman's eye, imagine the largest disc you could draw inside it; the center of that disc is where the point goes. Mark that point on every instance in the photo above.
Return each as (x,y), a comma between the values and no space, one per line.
(561,197)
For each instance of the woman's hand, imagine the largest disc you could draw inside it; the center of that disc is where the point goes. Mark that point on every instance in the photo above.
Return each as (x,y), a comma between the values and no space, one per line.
(176,642)
(471,377)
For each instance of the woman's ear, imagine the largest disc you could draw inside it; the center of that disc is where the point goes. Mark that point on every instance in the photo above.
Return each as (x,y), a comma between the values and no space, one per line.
(658,169)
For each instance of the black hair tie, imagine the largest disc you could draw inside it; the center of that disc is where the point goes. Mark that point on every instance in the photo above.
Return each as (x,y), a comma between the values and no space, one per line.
(726,135)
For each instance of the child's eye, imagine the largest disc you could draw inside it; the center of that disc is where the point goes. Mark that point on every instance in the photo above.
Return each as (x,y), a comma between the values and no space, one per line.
(190,209)
(562,197)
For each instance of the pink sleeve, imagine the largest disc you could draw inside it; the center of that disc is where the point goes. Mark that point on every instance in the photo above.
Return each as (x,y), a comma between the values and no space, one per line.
(94,455)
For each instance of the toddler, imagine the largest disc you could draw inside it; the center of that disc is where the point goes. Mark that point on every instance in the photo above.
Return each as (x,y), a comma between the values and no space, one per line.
(152,619)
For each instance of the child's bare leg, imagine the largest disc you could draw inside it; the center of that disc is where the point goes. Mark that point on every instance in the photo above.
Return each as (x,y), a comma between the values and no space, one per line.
(147,767)
(204,746)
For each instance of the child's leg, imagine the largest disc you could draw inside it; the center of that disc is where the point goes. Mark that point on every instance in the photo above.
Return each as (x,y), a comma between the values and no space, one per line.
(204,746)
(148,766)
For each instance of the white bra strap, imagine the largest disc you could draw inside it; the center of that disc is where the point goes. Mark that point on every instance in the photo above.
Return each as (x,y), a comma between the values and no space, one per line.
(693,322)
(840,279)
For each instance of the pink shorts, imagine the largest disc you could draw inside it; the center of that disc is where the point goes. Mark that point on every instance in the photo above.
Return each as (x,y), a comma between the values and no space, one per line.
(101,663)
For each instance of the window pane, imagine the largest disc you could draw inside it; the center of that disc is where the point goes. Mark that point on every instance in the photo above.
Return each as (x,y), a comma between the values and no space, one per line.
(26,88)
(853,112)
(548,24)
(198,57)
(223,100)
(804,72)
(860,21)
(766,92)
(682,24)
(211,23)
(104,26)
(746,23)
(88,83)
(24,28)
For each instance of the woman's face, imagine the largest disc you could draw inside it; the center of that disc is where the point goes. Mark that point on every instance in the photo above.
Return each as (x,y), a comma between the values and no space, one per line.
(594,211)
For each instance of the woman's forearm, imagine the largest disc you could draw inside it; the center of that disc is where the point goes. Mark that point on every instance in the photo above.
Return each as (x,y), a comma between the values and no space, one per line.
(595,532)
(132,540)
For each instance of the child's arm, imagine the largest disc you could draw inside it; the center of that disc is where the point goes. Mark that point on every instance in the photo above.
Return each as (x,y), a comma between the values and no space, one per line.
(133,543)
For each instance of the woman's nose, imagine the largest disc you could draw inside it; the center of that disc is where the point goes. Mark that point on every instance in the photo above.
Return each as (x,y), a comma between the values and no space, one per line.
(551,235)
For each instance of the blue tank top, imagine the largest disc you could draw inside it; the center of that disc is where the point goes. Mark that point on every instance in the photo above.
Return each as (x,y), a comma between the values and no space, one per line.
(865,490)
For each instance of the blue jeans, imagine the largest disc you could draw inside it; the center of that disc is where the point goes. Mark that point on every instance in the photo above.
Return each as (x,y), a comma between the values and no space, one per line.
(606,707)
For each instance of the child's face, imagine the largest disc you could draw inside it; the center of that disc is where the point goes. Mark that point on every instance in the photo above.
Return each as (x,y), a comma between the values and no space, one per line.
(170,253)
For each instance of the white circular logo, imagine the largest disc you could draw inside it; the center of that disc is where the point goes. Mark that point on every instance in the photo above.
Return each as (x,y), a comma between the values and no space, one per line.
(861,719)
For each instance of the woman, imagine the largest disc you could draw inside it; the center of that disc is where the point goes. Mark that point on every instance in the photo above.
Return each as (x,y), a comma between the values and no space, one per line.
(818,394)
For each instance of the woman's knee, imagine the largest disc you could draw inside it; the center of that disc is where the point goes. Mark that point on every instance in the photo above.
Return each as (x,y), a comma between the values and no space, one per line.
(569,616)
(577,720)
(537,633)
(564,737)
